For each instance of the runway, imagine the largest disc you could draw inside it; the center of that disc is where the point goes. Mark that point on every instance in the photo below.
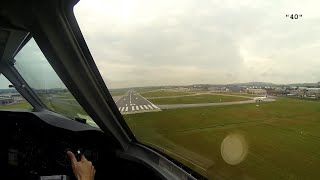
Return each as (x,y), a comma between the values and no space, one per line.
(132,102)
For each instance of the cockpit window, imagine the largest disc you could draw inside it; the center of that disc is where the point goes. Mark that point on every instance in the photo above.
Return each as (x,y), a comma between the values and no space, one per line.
(228,88)
(10,98)
(40,76)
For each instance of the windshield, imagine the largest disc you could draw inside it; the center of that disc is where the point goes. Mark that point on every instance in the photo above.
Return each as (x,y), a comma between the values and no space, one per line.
(40,76)
(228,88)
(10,98)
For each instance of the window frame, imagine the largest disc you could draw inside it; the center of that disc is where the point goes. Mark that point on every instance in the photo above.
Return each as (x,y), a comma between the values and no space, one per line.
(16,40)
(67,10)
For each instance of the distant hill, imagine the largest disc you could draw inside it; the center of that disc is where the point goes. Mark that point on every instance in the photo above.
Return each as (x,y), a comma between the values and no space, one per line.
(259,84)
(306,84)
(4,91)
(247,84)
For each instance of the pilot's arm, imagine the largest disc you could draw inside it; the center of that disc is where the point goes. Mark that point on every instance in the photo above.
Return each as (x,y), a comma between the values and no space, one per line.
(83,170)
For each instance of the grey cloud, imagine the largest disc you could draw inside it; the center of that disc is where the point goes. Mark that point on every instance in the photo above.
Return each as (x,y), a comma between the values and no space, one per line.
(191,41)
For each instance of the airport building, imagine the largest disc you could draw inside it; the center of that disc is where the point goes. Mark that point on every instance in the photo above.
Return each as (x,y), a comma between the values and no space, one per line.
(313,91)
(235,88)
(6,100)
(256,91)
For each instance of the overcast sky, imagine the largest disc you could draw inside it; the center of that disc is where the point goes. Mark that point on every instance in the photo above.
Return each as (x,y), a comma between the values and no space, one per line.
(34,68)
(165,42)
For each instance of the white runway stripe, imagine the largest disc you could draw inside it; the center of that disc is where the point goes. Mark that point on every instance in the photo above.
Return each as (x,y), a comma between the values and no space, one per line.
(150,106)
(126,108)
(137,107)
(132,108)
(154,106)
(119,108)
(141,107)
(145,106)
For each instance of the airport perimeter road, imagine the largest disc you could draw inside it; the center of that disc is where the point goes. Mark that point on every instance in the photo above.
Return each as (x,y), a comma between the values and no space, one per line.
(175,106)
(132,102)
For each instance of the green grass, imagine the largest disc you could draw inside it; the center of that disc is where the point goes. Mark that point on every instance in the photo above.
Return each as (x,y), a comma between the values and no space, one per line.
(145,89)
(65,95)
(70,108)
(163,93)
(117,93)
(65,109)
(277,148)
(205,98)
(20,105)
(64,104)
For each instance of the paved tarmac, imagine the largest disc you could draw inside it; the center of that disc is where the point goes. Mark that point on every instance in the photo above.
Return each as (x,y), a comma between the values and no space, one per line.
(133,102)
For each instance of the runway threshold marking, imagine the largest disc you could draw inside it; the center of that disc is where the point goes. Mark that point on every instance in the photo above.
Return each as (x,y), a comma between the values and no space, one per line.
(132,107)
(154,106)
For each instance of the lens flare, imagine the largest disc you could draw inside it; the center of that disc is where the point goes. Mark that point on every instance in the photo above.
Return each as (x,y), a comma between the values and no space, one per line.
(234,149)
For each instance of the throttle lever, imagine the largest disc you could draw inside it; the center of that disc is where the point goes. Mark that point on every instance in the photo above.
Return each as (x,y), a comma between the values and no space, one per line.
(78,155)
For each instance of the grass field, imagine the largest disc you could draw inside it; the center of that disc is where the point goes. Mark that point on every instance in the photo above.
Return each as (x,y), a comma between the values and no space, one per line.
(117,93)
(145,89)
(66,104)
(20,105)
(164,93)
(283,138)
(238,94)
(72,110)
(205,98)
(67,95)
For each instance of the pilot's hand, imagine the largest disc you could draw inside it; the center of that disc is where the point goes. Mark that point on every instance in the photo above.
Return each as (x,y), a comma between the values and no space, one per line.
(83,170)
